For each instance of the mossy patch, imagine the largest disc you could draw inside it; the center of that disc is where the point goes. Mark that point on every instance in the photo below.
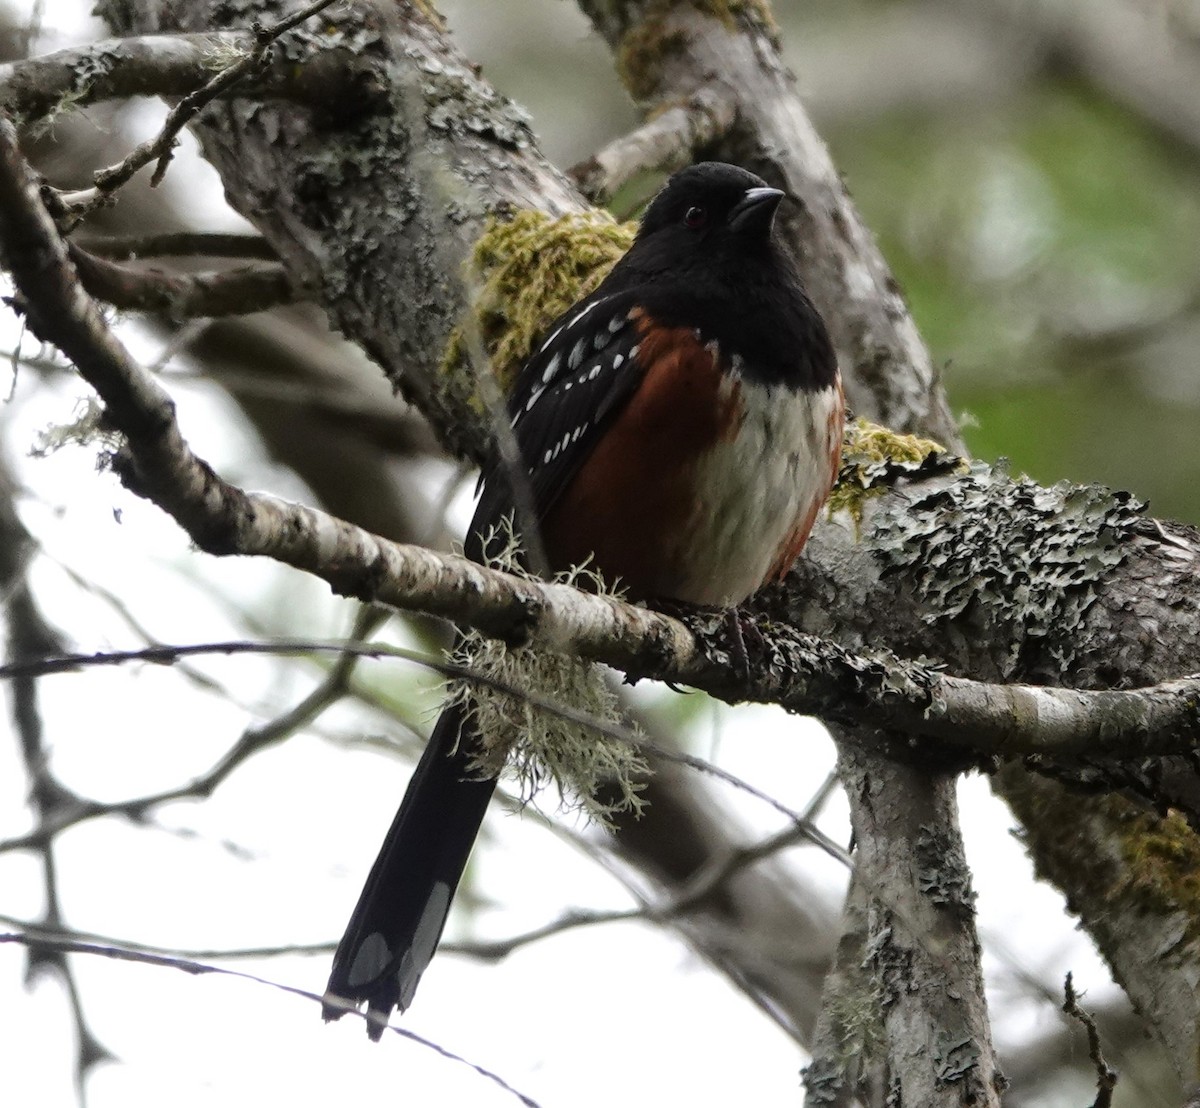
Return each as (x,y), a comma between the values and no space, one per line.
(1155,869)
(596,767)
(1163,860)
(752,14)
(652,39)
(526,271)
(640,55)
(873,457)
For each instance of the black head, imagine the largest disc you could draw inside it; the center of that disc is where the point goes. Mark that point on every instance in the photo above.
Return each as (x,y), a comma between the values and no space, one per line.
(709,208)
(707,257)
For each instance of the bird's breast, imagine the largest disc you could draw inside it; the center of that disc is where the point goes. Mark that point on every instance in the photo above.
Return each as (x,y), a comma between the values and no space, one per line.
(706,484)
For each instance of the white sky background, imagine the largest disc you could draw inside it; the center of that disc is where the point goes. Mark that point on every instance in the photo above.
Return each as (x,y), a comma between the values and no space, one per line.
(278,854)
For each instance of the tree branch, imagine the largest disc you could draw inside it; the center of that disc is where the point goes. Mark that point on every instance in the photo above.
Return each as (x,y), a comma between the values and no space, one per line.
(1106,1076)
(666,142)
(128,248)
(667,53)
(159,148)
(53,942)
(29,639)
(240,291)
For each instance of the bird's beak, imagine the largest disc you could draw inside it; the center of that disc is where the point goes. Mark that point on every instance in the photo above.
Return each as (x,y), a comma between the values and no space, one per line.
(755,211)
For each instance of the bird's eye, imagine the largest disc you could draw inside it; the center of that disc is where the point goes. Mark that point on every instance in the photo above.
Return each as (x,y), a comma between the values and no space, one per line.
(695,218)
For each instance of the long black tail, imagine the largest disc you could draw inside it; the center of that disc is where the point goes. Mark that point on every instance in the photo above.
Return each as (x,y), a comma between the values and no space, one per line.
(402,909)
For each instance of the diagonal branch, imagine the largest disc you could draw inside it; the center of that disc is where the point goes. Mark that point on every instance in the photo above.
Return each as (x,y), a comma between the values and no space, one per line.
(666,142)
(58,944)
(239,291)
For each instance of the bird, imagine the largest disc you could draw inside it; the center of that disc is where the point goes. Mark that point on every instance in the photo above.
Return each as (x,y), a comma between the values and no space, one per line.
(679,429)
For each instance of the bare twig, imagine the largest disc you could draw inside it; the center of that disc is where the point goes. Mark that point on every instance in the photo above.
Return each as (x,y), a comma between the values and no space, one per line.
(1106,1076)
(706,884)
(159,149)
(125,248)
(206,954)
(251,742)
(55,943)
(332,687)
(31,637)
(665,143)
(256,740)
(238,291)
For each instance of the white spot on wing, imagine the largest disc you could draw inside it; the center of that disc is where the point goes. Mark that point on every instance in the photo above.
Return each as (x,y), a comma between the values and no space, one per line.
(579,315)
(534,397)
(551,368)
(550,341)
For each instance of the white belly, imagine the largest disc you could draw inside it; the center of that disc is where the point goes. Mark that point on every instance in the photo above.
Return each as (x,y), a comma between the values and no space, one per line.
(760,492)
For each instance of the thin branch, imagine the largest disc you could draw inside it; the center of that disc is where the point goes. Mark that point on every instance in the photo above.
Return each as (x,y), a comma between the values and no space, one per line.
(240,291)
(176,244)
(52,942)
(706,883)
(160,148)
(1106,1076)
(665,143)
(206,954)
(31,637)
(332,688)
(255,740)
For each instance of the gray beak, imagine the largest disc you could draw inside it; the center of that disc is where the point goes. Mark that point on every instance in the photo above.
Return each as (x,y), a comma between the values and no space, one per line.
(755,211)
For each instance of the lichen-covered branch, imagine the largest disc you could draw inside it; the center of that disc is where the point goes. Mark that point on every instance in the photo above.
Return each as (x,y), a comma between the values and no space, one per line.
(377,200)
(1071,585)
(37,89)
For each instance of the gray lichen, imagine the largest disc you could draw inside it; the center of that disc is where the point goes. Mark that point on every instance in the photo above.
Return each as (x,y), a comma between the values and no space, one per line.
(943,874)
(988,550)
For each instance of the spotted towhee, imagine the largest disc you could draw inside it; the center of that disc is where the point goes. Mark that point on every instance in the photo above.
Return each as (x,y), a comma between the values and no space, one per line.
(681,426)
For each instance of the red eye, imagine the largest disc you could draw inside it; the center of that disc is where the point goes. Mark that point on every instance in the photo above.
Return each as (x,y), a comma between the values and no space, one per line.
(695,218)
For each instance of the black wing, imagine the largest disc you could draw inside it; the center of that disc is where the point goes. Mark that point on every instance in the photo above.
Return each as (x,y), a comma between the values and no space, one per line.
(567,392)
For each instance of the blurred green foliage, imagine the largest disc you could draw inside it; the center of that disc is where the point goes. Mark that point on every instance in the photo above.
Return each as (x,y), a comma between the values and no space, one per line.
(1049,250)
